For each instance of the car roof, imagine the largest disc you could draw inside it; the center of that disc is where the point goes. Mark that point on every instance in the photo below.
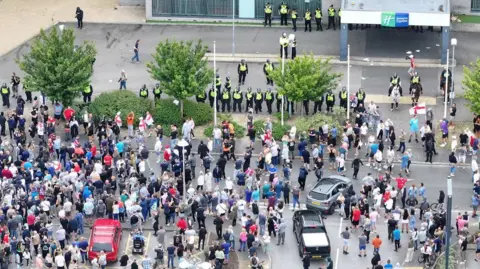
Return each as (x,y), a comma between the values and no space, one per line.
(327,183)
(104,230)
(311,217)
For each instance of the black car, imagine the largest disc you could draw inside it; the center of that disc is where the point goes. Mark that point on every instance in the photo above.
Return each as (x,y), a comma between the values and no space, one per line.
(311,235)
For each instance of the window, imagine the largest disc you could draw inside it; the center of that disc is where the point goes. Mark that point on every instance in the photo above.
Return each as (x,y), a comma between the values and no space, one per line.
(319,196)
(97,247)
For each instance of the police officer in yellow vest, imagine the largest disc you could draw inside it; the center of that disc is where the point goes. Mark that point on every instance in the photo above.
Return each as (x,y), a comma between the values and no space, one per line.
(143,92)
(267,69)
(331,18)
(5,95)
(157,92)
(330,101)
(318,19)
(343,95)
(258,101)
(279,96)
(242,72)
(284,45)
(308,20)
(212,94)
(228,84)
(394,80)
(218,83)
(237,100)
(269,98)
(225,100)
(294,19)
(415,79)
(306,105)
(201,97)
(87,94)
(317,104)
(361,97)
(340,19)
(283,13)
(268,15)
(249,97)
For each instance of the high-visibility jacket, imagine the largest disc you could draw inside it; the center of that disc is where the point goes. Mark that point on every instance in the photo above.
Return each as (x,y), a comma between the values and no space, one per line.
(268,9)
(331,12)
(243,67)
(213,93)
(279,96)
(308,16)
(283,9)
(394,81)
(5,90)
(340,13)
(294,14)
(157,91)
(225,95)
(284,41)
(258,96)
(343,95)
(143,92)
(318,14)
(237,95)
(415,79)
(201,95)
(360,96)
(249,95)
(330,97)
(268,68)
(268,96)
(87,90)
(218,81)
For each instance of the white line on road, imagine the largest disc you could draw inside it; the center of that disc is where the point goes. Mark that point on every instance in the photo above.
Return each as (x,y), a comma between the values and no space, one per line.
(336,259)
(340,228)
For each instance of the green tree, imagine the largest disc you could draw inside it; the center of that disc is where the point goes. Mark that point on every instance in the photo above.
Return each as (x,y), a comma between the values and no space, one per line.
(57,67)
(471,82)
(181,68)
(305,78)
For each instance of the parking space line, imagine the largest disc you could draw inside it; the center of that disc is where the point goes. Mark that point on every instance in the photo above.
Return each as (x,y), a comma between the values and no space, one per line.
(148,242)
(340,228)
(128,247)
(336,258)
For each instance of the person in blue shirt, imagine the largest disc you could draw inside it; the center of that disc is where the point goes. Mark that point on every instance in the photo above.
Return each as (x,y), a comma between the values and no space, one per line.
(301,147)
(388,265)
(278,190)
(396,238)
(121,148)
(226,250)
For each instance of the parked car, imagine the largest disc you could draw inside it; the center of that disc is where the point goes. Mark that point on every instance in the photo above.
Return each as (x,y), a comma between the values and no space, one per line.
(323,196)
(311,234)
(106,235)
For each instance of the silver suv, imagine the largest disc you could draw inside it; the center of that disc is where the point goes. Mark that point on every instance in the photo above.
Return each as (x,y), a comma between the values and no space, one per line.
(324,194)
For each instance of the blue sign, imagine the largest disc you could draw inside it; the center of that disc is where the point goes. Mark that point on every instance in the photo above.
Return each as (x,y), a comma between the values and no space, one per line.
(401,19)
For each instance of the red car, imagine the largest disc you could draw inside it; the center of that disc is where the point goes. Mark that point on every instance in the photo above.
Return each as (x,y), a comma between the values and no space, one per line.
(106,235)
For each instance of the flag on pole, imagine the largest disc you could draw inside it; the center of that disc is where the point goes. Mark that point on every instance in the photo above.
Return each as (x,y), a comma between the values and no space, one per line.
(418,109)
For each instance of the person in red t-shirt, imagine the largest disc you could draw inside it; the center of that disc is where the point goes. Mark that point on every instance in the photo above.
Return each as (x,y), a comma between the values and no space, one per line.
(182,225)
(68,114)
(401,181)
(107,160)
(355,217)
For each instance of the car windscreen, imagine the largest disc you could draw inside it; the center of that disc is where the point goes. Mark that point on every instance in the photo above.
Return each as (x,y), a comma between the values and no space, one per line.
(318,196)
(97,247)
(313,229)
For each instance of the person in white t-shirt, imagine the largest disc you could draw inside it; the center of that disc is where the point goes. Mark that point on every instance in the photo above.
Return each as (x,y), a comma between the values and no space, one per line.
(190,239)
(241,207)
(373,220)
(229,185)
(60,261)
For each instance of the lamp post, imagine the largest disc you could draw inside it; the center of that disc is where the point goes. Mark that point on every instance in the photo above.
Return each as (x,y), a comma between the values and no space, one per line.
(453,42)
(283,97)
(348,82)
(446,87)
(449,219)
(214,88)
(182,143)
(233,28)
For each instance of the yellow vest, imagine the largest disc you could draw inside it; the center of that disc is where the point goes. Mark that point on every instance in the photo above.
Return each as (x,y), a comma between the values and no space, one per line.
(4,90)
(218,82)
(156,91)
(268,96)
(360,96)
(201,95)
(415,79)
(395,81)
(268,9)
(243,67)
(331,12)
(143,92)
(237,95)
(258,96)
(294,14)
(249,95)
(339,13)
(87,89)
(318,14)
(268,68)
(213,93)
(283,9)
(226,95)
(308,16)
(330,97)
(284,41)
(344,95)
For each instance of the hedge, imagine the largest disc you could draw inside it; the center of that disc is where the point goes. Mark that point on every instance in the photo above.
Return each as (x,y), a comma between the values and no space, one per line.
(201,113)
(277,129)
(108,104)
(336,118)
(240,131)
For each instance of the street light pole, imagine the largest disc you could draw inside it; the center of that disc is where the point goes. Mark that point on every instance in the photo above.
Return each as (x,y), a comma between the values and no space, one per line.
(449,219)
(233,28)
(283,97)
(454,64)
(446,87)
(214,88)
(348,82)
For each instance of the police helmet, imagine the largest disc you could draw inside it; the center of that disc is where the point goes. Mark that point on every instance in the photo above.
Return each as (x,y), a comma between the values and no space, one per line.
(243,61)
(218,75)
(258,89)
(395,75)
(228,78)
(344,88)
(284,34)
(268,60)
(157,85)
(269,89)
(238,88)
(415,74)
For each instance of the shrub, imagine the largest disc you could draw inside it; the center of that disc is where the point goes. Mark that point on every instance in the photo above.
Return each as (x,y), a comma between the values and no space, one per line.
(240,131)
(278,116)
(167,113)
(201,113)
(108,104)
(277,130)
(317,120)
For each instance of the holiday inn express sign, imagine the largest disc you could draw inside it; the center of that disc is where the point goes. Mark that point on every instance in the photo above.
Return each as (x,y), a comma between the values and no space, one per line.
(392,19)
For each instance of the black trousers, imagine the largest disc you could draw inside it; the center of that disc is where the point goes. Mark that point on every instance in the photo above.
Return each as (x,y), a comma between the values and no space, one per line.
(330,106)
(309,24)
(283,18)
(258,106)
(306,105)
(29,96)
(225,103)
(80,23)
(317,106)
(294,22)
(6,100)
(268,18)
(319,24)
(218,230)
(355,172)
(283,50)
(294,52)
(269,81)
(201,222)
(241,77)
(269,106)
(202,242)
(331,22)
(87,98)
(286,199)
(249,104)
(237,103)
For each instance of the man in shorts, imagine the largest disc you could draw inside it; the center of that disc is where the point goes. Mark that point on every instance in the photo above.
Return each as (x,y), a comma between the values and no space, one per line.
(346,237)
(362,244)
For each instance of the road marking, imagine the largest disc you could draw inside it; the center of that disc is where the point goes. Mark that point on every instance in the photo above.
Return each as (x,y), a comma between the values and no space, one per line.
(340,228)
(336,259)
(128,247)
(406,100)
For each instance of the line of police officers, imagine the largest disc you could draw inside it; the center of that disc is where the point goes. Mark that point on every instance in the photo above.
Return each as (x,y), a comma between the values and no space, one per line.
(284,10)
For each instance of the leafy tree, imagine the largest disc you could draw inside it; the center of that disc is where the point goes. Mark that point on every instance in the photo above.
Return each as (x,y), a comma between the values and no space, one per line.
(471,82)
(181,68)
(305,78)
(57,67)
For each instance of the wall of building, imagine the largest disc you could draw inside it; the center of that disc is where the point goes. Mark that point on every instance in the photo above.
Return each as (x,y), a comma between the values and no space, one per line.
(133,3)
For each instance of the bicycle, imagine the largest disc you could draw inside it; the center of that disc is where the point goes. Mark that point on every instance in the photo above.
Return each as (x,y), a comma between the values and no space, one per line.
(437,206)
(430,260)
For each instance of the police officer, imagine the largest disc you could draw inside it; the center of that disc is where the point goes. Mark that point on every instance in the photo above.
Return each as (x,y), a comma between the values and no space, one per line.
(361,97)
(267,69)
(258,101)
(317,104)
(237,100)
(249,97)
(283,13)
(242,72)
(290,106)
(268,15)
(294,19)
(157,92)
(308,20)
(394,80)
(330,101)
(225,100)
(143,92)
(284,45)
(269,100)
(201,97)
(5,95)
(306,105)
(279,101)
(87,94)
(28,93)
(218,83)
(294,48)
(415,79)
(228,84)
(343,95)
(318,19)
(331,17)
(212,94)
(340,19)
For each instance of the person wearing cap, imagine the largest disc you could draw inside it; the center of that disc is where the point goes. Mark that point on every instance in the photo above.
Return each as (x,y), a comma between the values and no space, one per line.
(258,101)
(330,101)
(331,18)
(308,20)
(343,95)
(318,19)
(269,100)
(249,98)
(226,100)
(237,100)
(294,15)
(242,72)
(283,8)
(284,45)
(267,69)
(212,94)
(268,15)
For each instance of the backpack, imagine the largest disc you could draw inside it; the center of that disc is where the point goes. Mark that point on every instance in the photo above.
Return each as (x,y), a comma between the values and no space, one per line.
(254,261)
(255,210)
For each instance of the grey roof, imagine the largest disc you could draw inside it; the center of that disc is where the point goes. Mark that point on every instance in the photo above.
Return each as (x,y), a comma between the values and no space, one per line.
(422,6)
